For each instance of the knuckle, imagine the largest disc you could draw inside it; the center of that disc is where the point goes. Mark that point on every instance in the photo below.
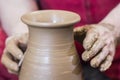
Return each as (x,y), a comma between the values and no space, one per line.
(92,53)
(86,45)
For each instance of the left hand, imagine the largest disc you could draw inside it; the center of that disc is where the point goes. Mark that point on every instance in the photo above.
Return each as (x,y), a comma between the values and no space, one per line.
(15,47)
(99,44)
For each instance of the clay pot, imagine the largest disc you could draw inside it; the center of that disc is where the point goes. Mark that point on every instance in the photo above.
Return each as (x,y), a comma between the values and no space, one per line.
(51,54)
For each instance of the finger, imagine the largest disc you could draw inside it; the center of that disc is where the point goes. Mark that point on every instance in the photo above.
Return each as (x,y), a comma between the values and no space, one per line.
(91,37)
(98,45)
(12,72)
(107,63)
(13,48)
(96,61)
(82,29)
(112,49)
(79,33)
(7,61)
(85,55)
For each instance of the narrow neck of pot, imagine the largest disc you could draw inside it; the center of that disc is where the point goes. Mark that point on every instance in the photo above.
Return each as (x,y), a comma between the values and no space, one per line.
(51,28)
(51,37)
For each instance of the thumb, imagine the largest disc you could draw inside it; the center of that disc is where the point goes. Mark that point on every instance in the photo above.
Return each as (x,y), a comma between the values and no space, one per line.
(80,33)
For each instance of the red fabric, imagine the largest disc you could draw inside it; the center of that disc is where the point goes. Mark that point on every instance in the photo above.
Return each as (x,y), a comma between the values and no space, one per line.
(91,11)
(4,75)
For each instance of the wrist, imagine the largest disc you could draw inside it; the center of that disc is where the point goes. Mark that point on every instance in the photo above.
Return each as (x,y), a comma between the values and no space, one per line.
(114,29)
(111,27)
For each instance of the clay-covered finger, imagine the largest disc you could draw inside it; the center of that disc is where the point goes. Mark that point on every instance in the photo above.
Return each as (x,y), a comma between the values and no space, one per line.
(12,72)
(12,47)
(97,46)
(8,63)
(79,34)
(112,49)
(107,63)
(96,61)
(85,55)
(82,29)
(90,39)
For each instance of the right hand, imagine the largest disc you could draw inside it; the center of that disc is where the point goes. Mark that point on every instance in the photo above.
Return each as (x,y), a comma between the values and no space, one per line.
(99,42)
(13,52)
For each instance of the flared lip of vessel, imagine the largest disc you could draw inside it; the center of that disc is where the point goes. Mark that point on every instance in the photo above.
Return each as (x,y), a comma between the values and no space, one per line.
(55,18)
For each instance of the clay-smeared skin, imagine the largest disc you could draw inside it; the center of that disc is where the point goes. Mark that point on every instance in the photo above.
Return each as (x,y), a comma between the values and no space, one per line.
(51,55)
(99,42)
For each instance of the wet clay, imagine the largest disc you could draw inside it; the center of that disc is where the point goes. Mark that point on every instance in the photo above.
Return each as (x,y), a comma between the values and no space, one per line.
(51,53)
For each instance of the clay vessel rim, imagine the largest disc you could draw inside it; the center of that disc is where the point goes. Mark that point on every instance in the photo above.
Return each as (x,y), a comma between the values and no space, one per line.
(73,18)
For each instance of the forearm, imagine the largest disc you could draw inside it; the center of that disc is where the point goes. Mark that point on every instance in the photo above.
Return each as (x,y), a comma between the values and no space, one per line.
(113,18)
(11,12)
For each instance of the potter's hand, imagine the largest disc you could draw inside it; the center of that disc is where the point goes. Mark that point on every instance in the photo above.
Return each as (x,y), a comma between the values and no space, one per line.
(13,52)
(99,44)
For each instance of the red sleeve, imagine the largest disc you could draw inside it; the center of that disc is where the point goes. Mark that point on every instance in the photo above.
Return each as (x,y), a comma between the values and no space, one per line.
(4,75)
